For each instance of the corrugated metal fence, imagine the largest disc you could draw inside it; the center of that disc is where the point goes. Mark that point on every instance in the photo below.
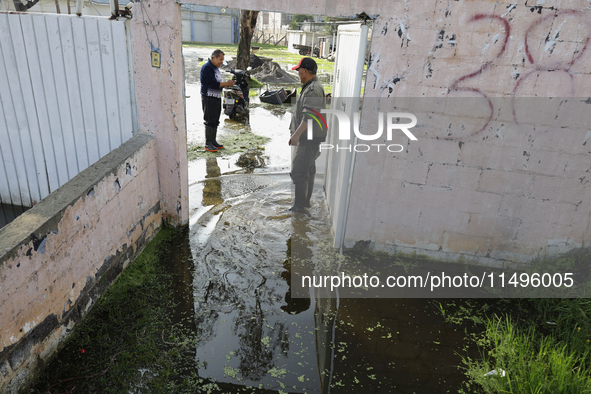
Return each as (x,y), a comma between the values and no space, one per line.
(66,99)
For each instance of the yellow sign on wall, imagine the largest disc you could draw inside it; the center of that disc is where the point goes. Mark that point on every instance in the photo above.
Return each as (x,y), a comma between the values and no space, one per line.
(155,59)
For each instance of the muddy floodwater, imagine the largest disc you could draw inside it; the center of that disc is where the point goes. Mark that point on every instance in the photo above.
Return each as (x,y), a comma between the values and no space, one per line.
(250,331)
(250,334)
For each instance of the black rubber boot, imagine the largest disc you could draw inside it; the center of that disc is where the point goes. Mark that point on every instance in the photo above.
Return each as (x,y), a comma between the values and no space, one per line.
(209,130)
(214,140)
(309,191)
(301,191)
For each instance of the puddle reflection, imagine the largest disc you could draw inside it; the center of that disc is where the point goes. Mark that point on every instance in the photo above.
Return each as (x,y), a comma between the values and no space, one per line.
(252,331)
(249,329)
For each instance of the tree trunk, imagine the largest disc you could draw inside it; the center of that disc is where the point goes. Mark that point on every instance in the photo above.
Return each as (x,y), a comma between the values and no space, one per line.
(248,21)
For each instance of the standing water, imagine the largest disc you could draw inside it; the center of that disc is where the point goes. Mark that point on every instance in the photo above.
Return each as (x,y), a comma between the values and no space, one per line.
(250,331)
(230,279)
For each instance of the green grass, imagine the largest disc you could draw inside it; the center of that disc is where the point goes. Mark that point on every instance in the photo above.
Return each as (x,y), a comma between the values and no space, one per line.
(254,84)
(532,362)
(542,344)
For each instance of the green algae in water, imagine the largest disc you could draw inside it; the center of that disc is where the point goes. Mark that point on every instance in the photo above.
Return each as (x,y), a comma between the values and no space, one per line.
(277,373)
(234,142)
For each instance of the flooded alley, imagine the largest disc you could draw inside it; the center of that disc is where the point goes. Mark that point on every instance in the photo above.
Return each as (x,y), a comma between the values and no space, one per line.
(250,331)
(445,246)
(231,311)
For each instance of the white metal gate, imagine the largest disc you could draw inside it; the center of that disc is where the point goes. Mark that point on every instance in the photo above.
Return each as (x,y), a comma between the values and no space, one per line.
(66,99)
(348,74)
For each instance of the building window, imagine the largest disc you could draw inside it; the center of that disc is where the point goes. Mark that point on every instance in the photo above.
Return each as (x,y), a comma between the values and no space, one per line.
(265,18)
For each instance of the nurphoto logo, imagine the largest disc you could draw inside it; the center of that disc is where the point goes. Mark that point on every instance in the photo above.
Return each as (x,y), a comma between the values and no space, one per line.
(392,123)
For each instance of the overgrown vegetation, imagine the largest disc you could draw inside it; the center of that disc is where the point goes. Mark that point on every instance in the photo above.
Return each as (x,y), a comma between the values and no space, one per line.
(535,345)
(527,361)
(131,341)
(234,142)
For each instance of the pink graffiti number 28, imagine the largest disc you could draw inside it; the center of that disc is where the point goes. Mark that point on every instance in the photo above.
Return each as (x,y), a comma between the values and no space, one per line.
(560,66)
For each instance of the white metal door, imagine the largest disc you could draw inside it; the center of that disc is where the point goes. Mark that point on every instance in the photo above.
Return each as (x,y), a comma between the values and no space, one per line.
(348,74)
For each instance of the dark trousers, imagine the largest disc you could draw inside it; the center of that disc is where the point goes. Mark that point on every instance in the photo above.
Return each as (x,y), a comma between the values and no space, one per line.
(303,166)
(212,109)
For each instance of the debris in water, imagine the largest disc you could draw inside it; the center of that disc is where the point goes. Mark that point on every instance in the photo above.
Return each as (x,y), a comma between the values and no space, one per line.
(252,158)
(271,72)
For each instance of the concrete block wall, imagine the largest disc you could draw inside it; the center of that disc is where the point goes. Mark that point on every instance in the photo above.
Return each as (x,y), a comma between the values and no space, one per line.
(60,256)
(497,191)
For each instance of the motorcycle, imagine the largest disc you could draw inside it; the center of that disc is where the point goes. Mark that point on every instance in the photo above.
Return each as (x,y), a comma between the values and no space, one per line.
(236,98)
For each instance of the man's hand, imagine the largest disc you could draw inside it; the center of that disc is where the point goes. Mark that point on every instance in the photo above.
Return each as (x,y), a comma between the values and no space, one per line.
(294,139)
(227,84)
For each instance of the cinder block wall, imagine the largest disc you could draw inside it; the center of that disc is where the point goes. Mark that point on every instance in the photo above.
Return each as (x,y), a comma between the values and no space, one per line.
(61,255)
(503,193)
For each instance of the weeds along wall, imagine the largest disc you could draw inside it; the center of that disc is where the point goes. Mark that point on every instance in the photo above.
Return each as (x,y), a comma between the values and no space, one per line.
(61,255)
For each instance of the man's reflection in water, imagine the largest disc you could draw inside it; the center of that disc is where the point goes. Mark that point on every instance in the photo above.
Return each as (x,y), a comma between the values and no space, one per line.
(293,305)
(212,186)
(303,262)
(238,301)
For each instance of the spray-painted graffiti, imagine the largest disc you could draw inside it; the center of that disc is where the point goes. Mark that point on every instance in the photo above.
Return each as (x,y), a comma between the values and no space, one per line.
(455,85)
(560,66)
(557,66)
(507,32)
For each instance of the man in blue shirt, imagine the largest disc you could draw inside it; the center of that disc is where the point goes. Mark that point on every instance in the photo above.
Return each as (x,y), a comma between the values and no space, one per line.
(211,98)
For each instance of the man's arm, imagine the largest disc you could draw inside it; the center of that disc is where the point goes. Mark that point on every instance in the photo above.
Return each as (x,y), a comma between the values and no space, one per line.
(296,136)
(210,81)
